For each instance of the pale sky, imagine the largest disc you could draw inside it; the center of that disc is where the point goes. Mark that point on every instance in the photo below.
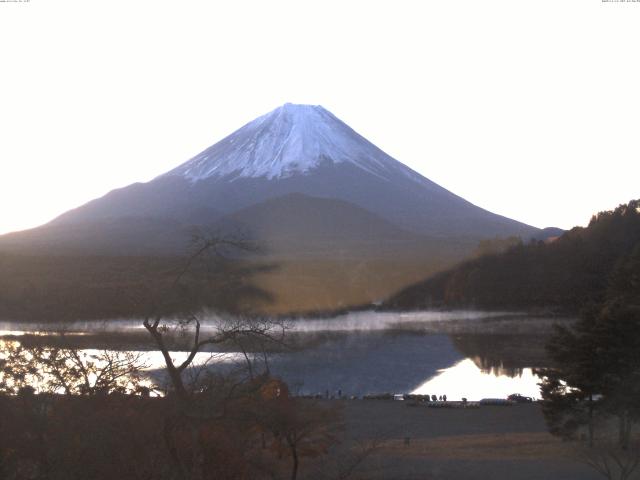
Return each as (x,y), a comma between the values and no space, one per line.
(530,109)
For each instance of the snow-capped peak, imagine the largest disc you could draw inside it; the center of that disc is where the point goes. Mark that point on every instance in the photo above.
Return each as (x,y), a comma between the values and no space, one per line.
(292,139)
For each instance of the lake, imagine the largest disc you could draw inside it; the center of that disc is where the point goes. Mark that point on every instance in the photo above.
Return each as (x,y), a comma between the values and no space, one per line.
(469,354)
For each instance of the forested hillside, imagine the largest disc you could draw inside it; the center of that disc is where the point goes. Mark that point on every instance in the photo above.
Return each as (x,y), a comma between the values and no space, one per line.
(565,274)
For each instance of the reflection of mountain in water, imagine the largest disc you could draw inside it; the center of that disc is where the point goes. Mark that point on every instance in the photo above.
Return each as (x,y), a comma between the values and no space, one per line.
(358,363)
(361,363)
(487,366)
(340,356)
(503,354)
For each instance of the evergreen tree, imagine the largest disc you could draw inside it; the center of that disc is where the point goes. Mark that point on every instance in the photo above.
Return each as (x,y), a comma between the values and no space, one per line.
(571,392)
(598,361)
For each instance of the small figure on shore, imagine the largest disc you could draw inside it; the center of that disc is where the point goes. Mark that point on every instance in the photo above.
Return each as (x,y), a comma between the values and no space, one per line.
(339,393)
(440,398)
(444,398)
(434,398)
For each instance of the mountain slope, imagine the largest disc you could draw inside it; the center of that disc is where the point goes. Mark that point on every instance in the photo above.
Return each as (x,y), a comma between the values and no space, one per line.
(566,274)
(291,140)
(341,222)
(297,224)
(299,149)
(329,254)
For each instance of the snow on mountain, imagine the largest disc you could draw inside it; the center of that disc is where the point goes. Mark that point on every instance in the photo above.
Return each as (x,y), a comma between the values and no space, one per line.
(297,149)
(340,221)
(292,139)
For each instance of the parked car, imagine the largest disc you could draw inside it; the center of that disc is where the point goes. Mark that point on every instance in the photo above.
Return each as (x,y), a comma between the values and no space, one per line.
(516,397)
(501,402)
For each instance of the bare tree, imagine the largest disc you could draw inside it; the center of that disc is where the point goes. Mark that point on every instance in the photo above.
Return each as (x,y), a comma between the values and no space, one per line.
(612,461)
(197,404)
(69,370)
(299,427)
(230,330)
(75,390)
(91,373)
(237,330)
(17,368)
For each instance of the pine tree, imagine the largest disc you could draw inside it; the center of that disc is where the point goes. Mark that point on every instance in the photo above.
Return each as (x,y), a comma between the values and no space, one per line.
(598,362)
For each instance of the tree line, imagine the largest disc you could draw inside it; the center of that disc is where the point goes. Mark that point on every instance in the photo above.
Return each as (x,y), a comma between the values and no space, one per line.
(564,275)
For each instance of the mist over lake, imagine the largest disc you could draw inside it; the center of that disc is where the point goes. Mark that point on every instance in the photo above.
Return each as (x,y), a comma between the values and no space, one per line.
(460,353)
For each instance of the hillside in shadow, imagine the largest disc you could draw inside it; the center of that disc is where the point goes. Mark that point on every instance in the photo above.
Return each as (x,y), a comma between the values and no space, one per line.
(565,274)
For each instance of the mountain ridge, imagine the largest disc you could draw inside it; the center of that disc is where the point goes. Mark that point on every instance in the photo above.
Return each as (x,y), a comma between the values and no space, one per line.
(311,158)
(362,226)
(291,139)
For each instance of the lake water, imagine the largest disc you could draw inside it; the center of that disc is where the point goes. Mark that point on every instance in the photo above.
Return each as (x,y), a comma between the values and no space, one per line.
(468,354)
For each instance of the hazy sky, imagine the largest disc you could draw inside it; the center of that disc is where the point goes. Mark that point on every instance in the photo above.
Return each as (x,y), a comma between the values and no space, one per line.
(530,109)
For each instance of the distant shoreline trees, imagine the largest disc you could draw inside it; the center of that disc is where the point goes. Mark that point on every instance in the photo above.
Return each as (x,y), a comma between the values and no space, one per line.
(564,275)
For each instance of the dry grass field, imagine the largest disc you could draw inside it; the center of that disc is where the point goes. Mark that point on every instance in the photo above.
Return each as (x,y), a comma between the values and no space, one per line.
(420,443)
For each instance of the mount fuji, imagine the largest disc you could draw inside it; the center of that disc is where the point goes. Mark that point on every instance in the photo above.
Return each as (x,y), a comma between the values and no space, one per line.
(297,149)
(304,184)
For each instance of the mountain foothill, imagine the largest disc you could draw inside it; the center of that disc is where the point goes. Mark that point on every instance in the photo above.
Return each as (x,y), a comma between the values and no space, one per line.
(337,222)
